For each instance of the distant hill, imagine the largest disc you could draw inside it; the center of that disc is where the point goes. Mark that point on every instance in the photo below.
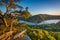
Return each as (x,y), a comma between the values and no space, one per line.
(42,17)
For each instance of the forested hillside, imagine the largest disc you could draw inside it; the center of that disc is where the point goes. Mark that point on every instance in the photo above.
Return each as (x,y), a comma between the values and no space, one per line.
(42,17)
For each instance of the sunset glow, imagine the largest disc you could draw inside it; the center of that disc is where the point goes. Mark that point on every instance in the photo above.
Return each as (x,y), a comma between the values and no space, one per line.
(42,6)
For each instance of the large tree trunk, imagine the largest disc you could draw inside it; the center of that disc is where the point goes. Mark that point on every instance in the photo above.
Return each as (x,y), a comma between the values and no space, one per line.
(6,15)
(11,23)
(5,21)
(3,18)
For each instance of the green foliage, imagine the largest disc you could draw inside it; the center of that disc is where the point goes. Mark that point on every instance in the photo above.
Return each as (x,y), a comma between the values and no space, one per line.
(51,33)
(40,35)
(36,32)
(49,27)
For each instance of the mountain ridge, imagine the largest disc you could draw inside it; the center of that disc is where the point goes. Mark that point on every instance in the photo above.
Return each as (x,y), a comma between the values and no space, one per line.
(42,17)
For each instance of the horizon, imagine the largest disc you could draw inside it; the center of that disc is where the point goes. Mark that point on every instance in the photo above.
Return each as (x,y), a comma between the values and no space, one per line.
(51,7)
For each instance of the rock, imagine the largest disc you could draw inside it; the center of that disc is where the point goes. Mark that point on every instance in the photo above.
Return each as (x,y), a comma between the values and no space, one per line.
(25,37)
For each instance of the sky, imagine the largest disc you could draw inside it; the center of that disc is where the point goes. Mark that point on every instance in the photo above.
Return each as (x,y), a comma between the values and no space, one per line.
(36,7)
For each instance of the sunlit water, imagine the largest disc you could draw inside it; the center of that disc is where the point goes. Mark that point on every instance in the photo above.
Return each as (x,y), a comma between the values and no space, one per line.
(49,22)
(43,22)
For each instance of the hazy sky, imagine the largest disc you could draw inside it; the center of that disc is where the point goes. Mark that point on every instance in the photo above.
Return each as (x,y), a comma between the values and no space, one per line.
(42,6)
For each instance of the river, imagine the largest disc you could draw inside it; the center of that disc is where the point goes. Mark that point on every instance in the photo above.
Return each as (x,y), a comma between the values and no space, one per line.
(43,22)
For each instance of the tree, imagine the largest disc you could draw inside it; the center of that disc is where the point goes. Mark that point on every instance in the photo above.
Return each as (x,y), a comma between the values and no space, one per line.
(25,13)
(9,4)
